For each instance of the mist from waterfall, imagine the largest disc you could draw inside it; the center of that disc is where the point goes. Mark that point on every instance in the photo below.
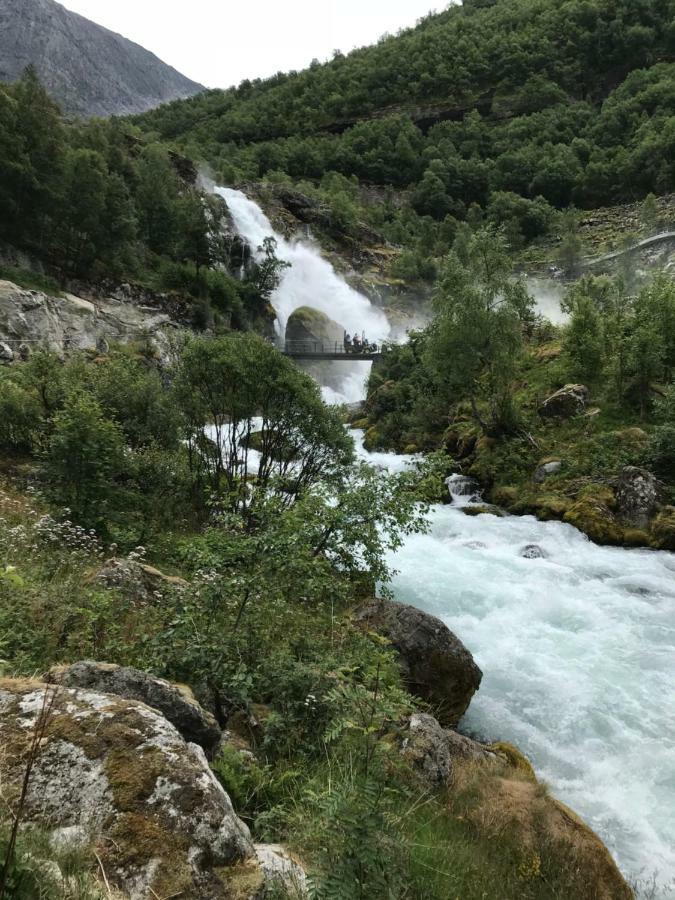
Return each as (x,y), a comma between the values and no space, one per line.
(311,281)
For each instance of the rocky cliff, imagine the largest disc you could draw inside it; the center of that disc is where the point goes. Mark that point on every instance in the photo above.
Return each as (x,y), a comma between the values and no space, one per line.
(88,69)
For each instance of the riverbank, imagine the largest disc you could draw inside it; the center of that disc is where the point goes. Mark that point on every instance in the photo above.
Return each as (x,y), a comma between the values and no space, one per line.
(574,456)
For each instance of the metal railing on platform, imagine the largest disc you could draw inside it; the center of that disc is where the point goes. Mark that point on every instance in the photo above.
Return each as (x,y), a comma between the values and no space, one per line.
(335,348)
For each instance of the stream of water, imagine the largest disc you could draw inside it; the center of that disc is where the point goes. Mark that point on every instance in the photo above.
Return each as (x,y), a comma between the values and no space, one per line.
(576,641)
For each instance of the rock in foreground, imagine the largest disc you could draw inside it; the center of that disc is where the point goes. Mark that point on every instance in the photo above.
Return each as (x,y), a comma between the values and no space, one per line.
(117,772)
(436,666)
(176,704)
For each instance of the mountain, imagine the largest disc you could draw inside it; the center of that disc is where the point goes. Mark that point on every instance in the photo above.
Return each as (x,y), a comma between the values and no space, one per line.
(88,69)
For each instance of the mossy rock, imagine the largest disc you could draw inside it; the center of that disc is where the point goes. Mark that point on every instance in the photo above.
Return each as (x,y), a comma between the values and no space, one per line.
(663,529)
(121,772)
(411,449)
(362,424)
(592,514)
(372,439)
(482,510)
(515,758)
(636,537)
(546,507)
(506,496)
(631,436)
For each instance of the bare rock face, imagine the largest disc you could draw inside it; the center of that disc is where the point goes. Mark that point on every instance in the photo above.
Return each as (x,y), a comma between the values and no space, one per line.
(566,403)
(119,771)
(68,323)
(436,666)
(86,68)
(430,749)
(176,704)
(636,496)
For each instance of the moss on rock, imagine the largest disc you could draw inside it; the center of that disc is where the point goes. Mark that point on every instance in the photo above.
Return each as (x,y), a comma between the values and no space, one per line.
(663,529)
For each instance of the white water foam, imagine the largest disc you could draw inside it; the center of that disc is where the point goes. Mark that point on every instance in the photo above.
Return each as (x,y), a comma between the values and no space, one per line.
(577,650)
(311,281)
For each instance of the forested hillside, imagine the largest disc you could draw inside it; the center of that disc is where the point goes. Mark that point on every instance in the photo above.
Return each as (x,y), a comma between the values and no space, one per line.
(100,200)
(569,100)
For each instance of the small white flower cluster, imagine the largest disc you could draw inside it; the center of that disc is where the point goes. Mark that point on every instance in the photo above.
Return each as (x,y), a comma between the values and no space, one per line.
(68,535)
(138,554)
(310,701)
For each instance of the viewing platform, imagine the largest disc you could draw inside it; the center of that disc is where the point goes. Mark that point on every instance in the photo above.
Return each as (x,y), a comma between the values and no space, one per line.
(336,352)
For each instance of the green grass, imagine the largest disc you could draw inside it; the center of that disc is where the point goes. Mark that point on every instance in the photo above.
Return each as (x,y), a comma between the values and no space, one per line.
(29,279)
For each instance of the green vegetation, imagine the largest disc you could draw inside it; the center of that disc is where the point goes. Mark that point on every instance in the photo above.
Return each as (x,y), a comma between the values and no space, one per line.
(100,200)
(504,111)
(474,380)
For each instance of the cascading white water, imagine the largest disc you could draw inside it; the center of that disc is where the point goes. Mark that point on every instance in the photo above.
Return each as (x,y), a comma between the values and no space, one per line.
(577,646)
(311,281)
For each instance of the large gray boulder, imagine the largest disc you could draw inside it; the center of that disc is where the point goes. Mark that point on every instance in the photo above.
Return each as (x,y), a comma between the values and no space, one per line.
(430,749)
(311,326)
(176,703)
(435,664)
(116,773)
(637,495)
(566,403)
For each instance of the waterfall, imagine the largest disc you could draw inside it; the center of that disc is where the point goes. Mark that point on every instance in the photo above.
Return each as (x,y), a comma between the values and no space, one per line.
(311,281)
(463,490)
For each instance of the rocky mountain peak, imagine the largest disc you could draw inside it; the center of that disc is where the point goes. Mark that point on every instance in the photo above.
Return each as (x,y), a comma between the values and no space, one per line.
(88,69)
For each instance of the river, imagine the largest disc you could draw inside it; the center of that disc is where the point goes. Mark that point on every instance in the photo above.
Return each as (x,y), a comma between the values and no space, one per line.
(577,646)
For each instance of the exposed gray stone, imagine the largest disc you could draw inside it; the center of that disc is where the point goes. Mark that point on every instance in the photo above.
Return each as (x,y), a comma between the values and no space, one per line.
(138,582)
(533,551)
(120,771)
(431,749)
(569,401)
(281,871)
(542,472)
(68,323)
(176,704)
(435,664)
(636,495)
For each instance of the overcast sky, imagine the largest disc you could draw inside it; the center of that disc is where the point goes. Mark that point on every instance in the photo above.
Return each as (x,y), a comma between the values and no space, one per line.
(220,42)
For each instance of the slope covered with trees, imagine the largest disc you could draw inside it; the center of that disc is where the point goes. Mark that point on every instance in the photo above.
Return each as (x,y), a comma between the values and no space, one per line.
(490,103)
(101,200)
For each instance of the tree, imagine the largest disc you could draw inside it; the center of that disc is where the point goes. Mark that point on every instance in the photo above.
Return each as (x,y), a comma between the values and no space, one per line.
(239,386)
(84,458)
(157,200)
(476,336)
(649,215)
(266,274)
(84,209)
(584,341)
(569,252)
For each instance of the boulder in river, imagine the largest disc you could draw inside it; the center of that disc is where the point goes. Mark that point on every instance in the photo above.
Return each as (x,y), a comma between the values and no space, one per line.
(569,401)
(636,495)
(532,551)
(435,664)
